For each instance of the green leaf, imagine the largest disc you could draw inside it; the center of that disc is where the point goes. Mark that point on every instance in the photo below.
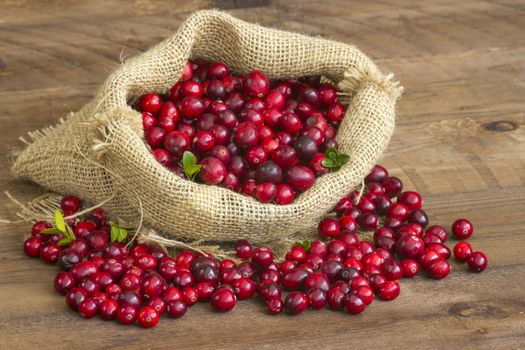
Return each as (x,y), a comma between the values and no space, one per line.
(51,231)
(114,233)
(327,163)
(331,153)
(123,234)
(343,158)
(60,223)
(190,166)
(304,244)
(69,233)
(65,241)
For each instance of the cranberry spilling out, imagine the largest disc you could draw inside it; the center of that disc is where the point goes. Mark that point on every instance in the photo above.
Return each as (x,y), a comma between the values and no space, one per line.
(138,283)
(276,130)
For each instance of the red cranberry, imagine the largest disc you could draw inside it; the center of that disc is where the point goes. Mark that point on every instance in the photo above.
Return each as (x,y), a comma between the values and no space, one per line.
(329,227)
(300,177)
(75,297)
(64,281)
(427,257)
(146,262)
(462,251)
(389,290)
(176,308)
(410,246)
(317,280)
(284,156)
(294,279)
(155,136)
(343,206)
(168,116)
(269,172)
(284,194)
(392,270)
(265,192)
(410,268)
(441,249)
(190,296)
(238,166)
(354,305)
(377,174)
(335,298)
(177,142)
(477,261)
(347,273)
(183,279)
(418,216)
(295,303)
(192,107)
(411,199)
(150,103)
(243,249)
(368,221)
(275,306)
(393,186)
(213,171)
(130,282)
(148,317)
(171,294)
(37,228)
(304,109)
(90,286)
(217,70)
(376,281)
(327,94)
(32,247)
(262,258)
(130,298)
(462,229)
(430,238)
(359,281)
(438,268)
(70,205)
(291,123)
(438,231)
(316,298)
(127,314)
(108,309)
(223,300)
(244,288)
(153,285)
(256,84)
(394,223)
(203,141)
(398,210)
(335,112)
(297,254)
(366,294)
(246,134)
(191,88)
(306,148)
(88,308)
(332,269)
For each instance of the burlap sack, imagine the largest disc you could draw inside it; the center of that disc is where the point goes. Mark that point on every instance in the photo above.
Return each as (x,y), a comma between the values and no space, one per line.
(99,154)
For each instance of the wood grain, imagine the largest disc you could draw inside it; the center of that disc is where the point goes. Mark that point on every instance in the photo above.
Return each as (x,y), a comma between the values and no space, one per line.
(460,141)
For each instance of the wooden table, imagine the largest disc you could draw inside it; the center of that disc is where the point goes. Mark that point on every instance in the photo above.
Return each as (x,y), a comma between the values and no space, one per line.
(460,141)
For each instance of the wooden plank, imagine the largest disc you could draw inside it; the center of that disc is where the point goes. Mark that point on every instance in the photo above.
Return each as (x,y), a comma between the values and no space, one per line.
(460,141)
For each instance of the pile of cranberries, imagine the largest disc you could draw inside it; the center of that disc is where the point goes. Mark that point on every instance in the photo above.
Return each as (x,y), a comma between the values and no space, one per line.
(132,281)
(251,135)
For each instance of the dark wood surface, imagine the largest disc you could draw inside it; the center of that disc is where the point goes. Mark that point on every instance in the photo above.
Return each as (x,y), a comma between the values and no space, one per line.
(460,141)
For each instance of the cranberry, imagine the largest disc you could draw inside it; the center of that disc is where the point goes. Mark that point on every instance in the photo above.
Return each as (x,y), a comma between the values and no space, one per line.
(441,249)
(365,293)
(393,186)
(343,206)
(287,265)
(347,273)
(269,171)
(275,306)
(359,281)
(291,123)
(75,297)
(427,257)
(300,177)
(392,270)
(335,112)
(398,210)
(306,148)
(130,298)
(190,296)
(284,156)
(376,281)
(368,221)
(155,136)
(262,258)
(462,251)
(150,103)
(130,282)
(335,298)
(438,231)
(389,290)
(295,303)
(377,174)
(90,286)
(64,281)
(265,192)
(438,268)
(244,288)
(32,247)
(410,268)
(217,70)
(37,228)
(430,238)
(243,249)
(49,252)
(317,280)
(354,305)
(294,279)
(88,308)
(213,171)
(192,107)
(418,216)
(411,199)
(332,269)
(327,94)
(176,308)
(246,134)
(223,300)
(183,279)
(410,246)
(329,227)
(394,223)
(148,317)
(477,261)
(316,298)
(127,314)
(284,194)
(462,229)
(256,84)
(153,285)
(108,309)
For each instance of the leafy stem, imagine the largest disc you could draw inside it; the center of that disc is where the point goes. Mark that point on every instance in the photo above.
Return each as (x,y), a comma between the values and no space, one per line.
(334,159)
(61,227)
(190,166)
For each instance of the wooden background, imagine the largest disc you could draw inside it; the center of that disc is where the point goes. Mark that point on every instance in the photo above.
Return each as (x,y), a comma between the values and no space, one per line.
(460,141)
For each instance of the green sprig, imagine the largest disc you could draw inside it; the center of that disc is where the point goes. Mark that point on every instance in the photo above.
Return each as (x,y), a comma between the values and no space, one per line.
(190,166)
(61,227)
(334,159)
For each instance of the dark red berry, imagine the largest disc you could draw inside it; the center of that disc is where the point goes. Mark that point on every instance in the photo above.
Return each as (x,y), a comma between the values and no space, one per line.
(477,261)
(32,247)
(127,314)
(462,229)
(295,303)
(462,251)
(438,268)
(354,305)
(223,300)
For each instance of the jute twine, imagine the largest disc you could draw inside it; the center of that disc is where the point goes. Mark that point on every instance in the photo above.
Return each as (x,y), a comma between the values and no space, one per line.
(99,154)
